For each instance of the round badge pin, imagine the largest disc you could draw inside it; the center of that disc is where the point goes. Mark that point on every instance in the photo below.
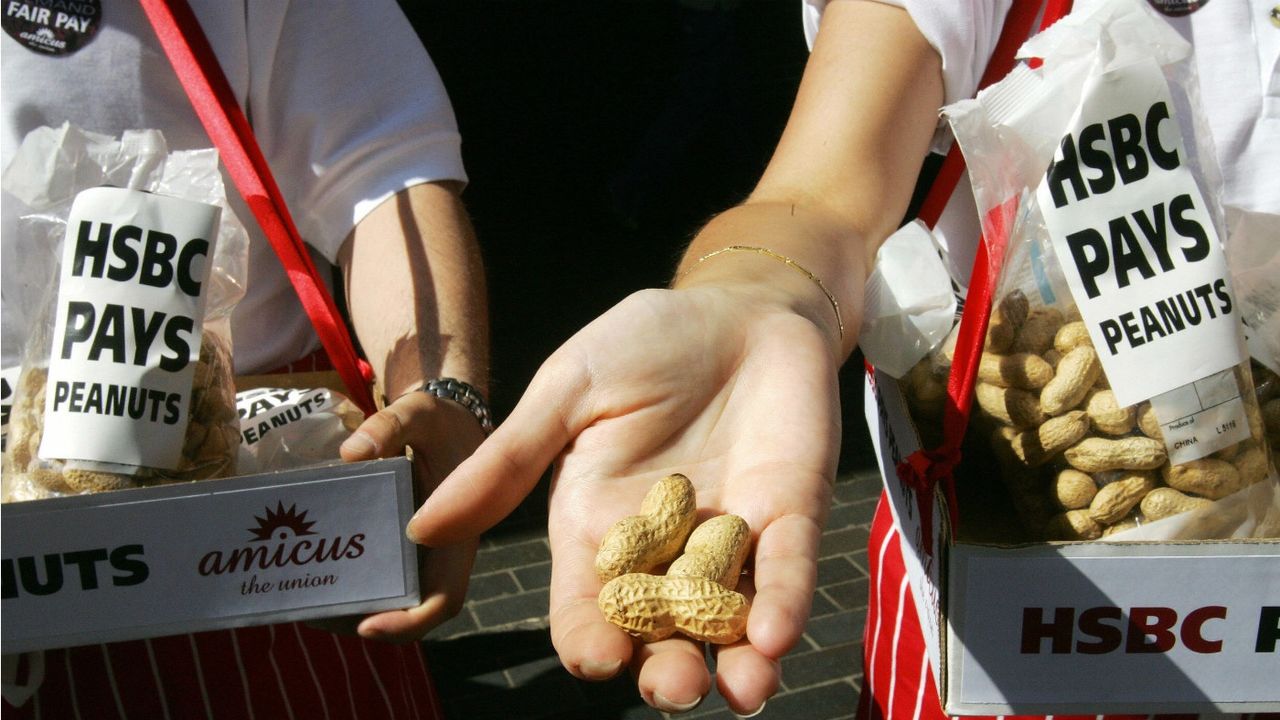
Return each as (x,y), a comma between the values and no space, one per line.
(1177,8)
(52,28)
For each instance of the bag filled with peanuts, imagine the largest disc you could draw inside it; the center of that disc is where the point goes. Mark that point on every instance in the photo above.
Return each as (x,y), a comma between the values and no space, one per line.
(137,261)
(1115,391)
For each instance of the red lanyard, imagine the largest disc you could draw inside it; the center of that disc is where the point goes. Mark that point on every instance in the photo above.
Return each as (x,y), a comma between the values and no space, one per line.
(197,67)
(925,468)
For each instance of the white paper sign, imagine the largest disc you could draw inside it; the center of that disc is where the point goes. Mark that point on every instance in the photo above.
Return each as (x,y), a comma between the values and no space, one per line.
(1136,241)
(127,328)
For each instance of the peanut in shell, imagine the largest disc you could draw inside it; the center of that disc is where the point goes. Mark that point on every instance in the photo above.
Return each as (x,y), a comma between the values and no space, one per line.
(1252,463)
(716,550)
(1011,406)
(1106,414)
(1070,336)
(1021,370)
(639,543)
(1095,454)
(1148,423)
(1075,376)
(1163,502)
(1117,498)
(1006,317)
(655,607)
(1073,490)
(1206,477)
(1036,447)
(1073,525)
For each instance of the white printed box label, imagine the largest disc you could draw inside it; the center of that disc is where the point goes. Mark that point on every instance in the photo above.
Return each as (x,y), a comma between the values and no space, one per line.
(1133,234)
(1202,418)
(1196,624)
(127,327)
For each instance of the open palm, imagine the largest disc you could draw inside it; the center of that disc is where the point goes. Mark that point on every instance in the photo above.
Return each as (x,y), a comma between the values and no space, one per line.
(736,394)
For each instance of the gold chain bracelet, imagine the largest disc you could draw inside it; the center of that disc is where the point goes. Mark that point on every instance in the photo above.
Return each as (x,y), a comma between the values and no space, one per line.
(784,259)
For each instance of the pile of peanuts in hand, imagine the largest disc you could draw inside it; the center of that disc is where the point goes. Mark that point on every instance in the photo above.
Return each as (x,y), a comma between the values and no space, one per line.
(210,446)
(696,596)
(1078,466)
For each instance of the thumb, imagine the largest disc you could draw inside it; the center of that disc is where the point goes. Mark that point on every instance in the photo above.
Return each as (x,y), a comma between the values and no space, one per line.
(488,485)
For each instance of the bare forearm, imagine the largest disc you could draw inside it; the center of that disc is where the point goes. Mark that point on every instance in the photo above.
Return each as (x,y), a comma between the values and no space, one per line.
(842,176)
(416,291)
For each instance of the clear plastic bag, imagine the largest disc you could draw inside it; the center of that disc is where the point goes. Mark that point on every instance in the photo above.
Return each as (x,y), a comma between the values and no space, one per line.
(52,168)
(909,306)
(1114,388)
(285,428)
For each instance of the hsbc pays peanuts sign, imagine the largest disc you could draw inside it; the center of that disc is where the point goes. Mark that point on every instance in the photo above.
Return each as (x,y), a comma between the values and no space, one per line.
(127,327)
(1134,235)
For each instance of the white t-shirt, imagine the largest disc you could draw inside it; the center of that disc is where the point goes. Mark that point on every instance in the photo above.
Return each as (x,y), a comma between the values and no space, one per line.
(345,103)
(1237,49)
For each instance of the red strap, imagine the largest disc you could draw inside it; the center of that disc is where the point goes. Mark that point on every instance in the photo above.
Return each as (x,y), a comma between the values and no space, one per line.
(197,67)
(924,469)
(1016,30)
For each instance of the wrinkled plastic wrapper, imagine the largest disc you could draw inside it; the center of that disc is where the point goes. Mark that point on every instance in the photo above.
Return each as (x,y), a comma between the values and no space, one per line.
(1076,463)
(51,167)
(909,307)
(1254,257)
(287,428)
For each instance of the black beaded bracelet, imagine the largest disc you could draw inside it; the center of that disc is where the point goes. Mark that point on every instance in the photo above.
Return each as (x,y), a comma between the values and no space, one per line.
(463,394)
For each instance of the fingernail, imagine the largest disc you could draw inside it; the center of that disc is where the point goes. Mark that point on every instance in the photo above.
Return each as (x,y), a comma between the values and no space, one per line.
(757,712)
(359,444)
(409,533)
(666,705)
(600,670)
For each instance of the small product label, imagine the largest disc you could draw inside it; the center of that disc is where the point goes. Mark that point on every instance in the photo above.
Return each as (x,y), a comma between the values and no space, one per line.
(1133,234)
(1202,418)
(127,327)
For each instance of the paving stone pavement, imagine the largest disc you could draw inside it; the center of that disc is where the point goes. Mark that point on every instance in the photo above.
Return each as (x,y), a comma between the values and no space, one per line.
(495,659)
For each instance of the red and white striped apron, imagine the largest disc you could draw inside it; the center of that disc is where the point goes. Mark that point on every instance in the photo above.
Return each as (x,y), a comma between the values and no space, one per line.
(269,672)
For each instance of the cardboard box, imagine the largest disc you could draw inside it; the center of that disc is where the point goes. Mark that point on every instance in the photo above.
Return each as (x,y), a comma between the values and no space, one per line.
(250,550)
(1056,628)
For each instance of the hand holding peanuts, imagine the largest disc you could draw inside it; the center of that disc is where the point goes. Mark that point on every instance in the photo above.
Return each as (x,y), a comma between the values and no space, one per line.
(754,425)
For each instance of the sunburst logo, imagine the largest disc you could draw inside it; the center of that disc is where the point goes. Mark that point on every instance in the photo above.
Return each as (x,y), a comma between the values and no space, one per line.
(280,523)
